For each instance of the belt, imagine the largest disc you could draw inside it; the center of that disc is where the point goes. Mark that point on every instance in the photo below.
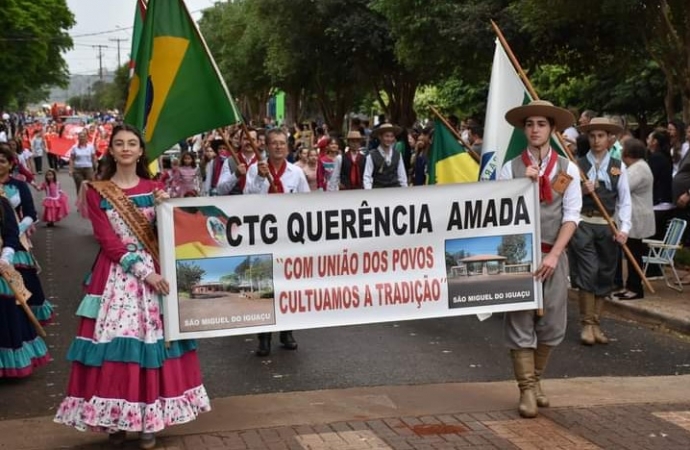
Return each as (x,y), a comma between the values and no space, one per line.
(592,213)
(546,248)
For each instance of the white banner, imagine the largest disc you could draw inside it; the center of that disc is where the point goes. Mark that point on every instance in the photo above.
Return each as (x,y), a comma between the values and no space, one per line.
(258,263)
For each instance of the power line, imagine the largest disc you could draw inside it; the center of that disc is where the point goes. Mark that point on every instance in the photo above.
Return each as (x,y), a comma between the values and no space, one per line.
(100,60)
(118,40)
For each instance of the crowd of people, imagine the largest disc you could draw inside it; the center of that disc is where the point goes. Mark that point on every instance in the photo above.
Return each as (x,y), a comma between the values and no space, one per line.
(125,378)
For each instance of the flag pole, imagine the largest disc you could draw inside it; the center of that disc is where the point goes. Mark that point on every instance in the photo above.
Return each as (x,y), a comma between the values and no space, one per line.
(257,153)
(595,197)
(472,153)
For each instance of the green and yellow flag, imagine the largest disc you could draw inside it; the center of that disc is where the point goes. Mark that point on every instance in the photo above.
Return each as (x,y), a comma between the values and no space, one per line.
(176,90)
(449,162)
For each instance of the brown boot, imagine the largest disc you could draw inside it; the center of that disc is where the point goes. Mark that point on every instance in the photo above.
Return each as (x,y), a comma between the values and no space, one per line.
(587,317)
(523,365)
(599,335)
(541,357)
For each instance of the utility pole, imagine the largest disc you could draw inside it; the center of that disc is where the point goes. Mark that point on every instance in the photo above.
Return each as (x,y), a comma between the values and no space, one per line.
(100,60)
(118,40)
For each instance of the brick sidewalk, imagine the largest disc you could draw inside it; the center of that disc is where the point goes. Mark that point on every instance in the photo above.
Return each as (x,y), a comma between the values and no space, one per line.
(629,427)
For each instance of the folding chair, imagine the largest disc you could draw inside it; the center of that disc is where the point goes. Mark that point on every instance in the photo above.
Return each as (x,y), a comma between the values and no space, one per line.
(662,253)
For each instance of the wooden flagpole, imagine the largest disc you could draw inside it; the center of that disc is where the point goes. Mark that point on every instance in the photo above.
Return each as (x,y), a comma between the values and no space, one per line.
(472,153)
(583,176)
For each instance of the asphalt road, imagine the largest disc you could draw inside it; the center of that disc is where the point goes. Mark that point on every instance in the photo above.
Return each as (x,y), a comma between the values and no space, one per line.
(415,352)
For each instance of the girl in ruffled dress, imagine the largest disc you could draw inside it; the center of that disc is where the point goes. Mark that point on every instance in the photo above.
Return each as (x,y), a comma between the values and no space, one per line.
(55,203)
(124,377)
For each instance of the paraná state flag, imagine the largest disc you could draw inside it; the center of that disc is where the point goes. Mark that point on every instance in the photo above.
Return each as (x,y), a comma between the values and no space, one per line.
(176,90)
(449,161)
(503,142)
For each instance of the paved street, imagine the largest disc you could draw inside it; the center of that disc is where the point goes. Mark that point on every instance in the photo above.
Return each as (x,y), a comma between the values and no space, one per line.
(406,355)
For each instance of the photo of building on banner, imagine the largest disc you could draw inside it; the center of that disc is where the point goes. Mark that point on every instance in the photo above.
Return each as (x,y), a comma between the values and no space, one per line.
(238,266)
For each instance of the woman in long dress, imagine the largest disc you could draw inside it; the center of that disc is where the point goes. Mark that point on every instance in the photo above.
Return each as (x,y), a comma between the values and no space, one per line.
(124,377)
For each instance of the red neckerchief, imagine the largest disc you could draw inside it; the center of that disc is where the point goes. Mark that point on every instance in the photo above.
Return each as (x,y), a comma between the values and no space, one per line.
(354,171)
(243,179)
(277,183)
(545,194)
(217,167)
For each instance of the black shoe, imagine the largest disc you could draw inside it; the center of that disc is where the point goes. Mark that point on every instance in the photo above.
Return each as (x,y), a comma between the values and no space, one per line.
(287,341)
(264,348)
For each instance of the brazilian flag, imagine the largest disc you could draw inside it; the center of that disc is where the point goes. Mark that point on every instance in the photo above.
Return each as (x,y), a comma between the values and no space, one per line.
(176,90)
(449,162)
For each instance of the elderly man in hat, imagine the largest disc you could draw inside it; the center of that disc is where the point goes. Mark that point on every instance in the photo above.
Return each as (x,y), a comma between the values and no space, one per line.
(531,337)
(594,248)
(384,166)
(352,170)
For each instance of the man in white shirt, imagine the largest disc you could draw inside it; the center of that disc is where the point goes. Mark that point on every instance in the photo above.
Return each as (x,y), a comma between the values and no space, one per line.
(384,166)
(38,148)
(275,175)
(594,248)
(530,337)
(233,176)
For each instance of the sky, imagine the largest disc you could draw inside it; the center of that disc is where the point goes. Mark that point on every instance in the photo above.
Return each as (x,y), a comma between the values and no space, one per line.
(112,20)
(486,245)
(217,267)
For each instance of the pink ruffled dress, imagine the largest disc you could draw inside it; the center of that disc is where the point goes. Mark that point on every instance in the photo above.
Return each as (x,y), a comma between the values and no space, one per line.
(123,376)
(55,203)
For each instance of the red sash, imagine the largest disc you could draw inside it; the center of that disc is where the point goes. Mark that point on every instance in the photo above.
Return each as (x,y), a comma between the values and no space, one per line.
(243,179)
(354,172)
(545,194)
(276,174)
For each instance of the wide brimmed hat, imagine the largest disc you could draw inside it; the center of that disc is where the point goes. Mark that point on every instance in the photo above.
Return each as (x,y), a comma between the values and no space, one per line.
(603,124)
(354,136)
(384,128)
(216,144)
(562,118)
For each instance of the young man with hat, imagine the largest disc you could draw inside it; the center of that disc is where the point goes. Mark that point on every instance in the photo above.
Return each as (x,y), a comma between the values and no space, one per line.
(594,248)
(352,170)
(384,166)
(531,337)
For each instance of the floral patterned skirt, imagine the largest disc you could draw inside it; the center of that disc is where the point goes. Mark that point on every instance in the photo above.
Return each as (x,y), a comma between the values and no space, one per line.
(123,375)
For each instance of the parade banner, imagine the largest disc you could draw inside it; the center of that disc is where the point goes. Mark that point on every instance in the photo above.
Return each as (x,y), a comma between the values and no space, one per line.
(258,263)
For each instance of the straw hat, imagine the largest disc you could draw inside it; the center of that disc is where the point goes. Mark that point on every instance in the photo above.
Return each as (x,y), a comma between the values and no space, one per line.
(384,128)
(354,136)
(540,108)
(603,124)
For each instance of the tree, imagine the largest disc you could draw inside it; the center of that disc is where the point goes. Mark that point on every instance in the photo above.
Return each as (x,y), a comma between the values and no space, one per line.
(188,274)
(613,37)
(32,39)
(513,247)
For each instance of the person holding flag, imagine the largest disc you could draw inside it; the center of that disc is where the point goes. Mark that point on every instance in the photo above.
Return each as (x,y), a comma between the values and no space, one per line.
(276,176)
(594,248)
(532,337)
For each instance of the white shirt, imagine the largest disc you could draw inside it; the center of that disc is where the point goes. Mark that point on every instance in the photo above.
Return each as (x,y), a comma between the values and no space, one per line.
(293,180)
(368,179)
(572,197)
(570,134)
(83,156)
(38,146)
(624,203)
(227,179)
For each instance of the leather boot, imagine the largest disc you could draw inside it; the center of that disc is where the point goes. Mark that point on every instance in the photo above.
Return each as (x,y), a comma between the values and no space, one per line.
(287,341)
(264,348)
(541,357)
(587,317)
(599,335)
(523,365)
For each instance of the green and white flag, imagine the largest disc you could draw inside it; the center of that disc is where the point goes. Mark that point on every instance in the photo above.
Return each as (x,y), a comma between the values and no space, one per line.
(502,142)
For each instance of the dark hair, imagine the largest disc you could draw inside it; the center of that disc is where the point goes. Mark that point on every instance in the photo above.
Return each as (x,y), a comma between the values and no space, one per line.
(185,154)
(142,162)
(478,130)
(634,148)
(337,141)
(663,141)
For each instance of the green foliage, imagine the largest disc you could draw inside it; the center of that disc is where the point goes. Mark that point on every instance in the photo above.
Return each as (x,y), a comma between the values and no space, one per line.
(188,274)
(513,247)
(104,96)
(32,39)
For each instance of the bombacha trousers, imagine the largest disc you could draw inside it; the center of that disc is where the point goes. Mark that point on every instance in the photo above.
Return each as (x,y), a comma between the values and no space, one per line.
(524,329)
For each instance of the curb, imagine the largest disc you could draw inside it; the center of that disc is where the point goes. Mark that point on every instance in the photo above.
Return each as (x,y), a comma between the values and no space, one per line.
(648,316)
